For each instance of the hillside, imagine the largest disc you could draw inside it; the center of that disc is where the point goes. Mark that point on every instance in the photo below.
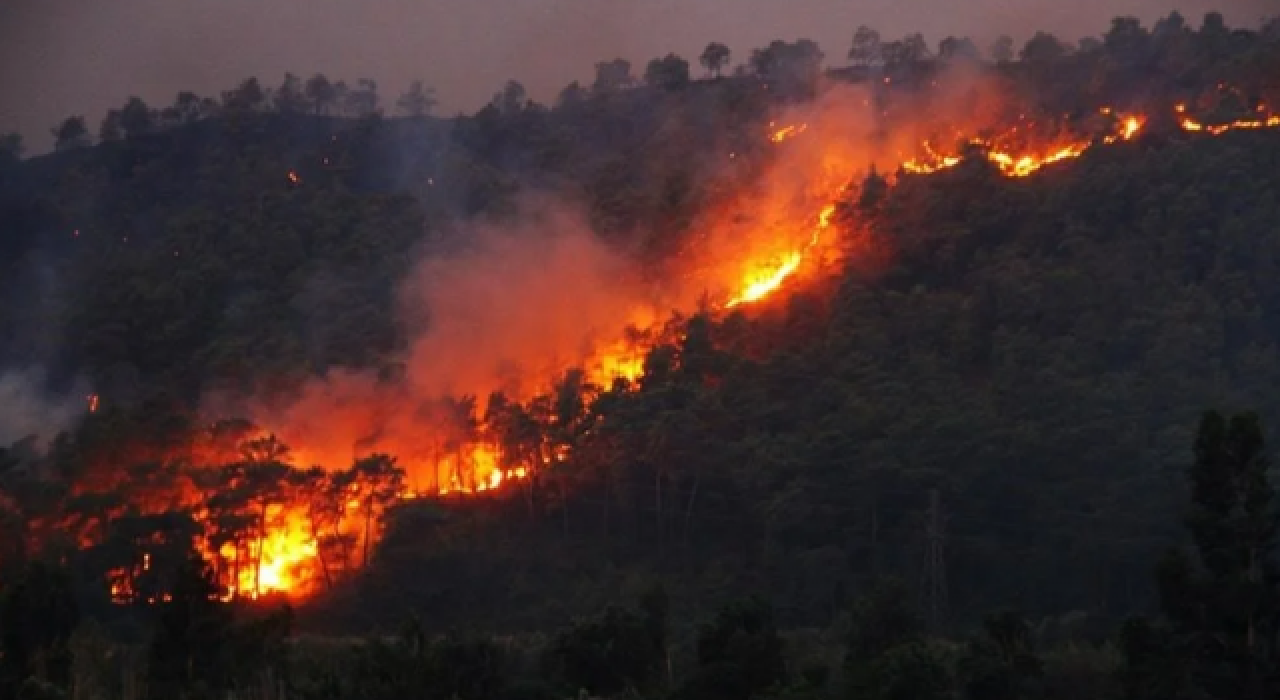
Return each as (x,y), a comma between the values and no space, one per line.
(787,333)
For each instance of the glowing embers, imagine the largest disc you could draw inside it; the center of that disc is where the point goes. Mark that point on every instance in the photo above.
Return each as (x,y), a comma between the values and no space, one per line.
(1262,121)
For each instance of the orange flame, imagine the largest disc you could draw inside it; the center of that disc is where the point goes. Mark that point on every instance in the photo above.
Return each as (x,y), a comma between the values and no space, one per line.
(787,132)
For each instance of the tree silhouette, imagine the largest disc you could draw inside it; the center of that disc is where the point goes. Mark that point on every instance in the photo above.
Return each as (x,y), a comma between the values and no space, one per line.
(866,50)
(612,76)
(511,99)
(714,58)
(379,482)
(1222,603)
(321,93)
(668,73)
(418,101)
(70,134)
(290,97)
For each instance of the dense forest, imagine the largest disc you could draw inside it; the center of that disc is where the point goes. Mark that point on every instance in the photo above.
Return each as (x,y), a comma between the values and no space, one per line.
(966,453)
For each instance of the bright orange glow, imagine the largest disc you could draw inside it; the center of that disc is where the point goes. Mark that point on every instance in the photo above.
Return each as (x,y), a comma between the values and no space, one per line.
(764,281)
(787,132)
(1019,162)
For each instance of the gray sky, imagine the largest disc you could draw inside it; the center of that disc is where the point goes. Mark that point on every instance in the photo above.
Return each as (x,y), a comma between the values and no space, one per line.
(64,57)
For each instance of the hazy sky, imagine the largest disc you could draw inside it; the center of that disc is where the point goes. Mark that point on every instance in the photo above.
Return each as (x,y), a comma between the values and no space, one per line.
(64,57)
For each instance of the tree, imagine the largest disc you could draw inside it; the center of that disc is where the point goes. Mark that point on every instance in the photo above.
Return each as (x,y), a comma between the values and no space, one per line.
(612,76)
(714,58)
(379,482)
(247,97)
(907,51)
(110,131)
(962,49)
(70,134)
(866,51)
(1002,49)
(511,100)
(290,97)
(1127,40)
(1043,49)
(572,95)
(188,108)
(136,118)
(790,68)
(668,73)
(418,101)
(321,93)
(1222,604)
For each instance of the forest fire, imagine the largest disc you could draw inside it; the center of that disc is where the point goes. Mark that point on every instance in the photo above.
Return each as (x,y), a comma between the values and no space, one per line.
(1002,152)
(269,521)
(1263,121)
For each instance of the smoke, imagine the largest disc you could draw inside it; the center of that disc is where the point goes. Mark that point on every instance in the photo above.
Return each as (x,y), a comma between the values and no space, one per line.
(27,409)
(521,302)
(509,311)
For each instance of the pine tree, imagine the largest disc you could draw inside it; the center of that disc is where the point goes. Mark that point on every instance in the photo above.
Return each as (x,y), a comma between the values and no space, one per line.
(1222,604)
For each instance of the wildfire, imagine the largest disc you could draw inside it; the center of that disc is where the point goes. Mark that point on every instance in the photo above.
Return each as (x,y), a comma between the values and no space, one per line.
(320,524)
(1013,163)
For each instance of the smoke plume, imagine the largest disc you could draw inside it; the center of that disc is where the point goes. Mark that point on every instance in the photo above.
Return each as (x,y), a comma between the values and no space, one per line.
(510,311)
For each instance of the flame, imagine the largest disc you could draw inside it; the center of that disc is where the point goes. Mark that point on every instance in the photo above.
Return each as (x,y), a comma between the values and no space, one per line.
(1270,122)
(293,178)
(787,132)
(92,400)
(1013,163)
(762,282)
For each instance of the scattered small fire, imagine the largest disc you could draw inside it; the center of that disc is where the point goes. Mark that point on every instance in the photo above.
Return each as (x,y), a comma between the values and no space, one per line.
(92,400)
(293,177)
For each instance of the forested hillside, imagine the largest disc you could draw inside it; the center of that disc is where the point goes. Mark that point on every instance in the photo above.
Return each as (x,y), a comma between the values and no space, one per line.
(492,373)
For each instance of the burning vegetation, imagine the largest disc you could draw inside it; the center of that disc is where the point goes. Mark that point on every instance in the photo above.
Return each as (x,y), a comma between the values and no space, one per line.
(522,355)
(269,519)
